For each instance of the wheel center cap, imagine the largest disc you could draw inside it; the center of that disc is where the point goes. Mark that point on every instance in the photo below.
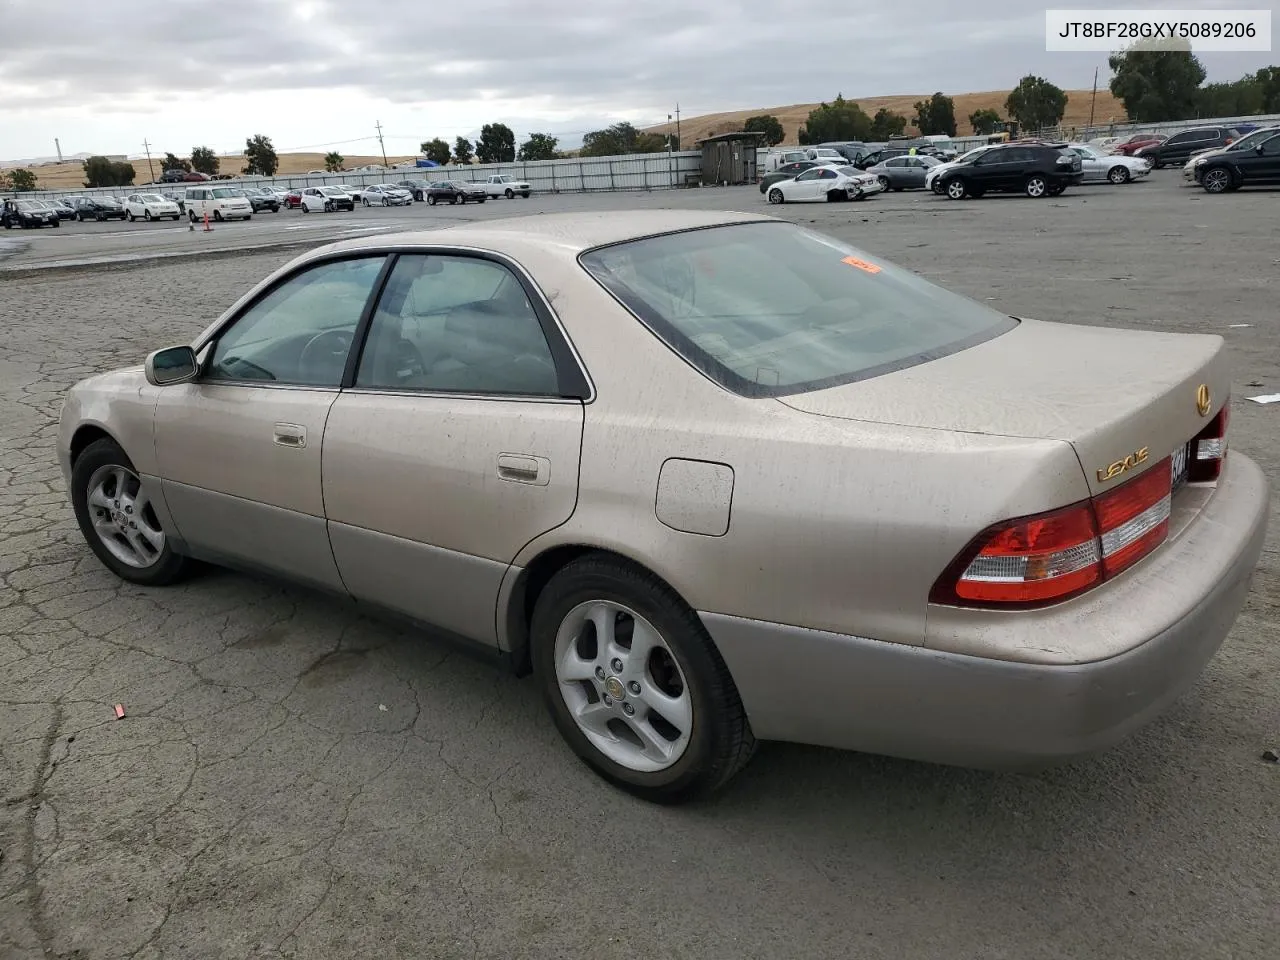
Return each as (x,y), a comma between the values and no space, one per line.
(614,687)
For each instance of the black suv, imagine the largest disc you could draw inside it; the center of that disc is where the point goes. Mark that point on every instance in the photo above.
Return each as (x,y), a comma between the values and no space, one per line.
(1179,147)
(1036,169)
(1254,159)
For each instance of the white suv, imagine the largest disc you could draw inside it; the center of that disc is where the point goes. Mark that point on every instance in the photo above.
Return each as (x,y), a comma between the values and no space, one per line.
(220,203)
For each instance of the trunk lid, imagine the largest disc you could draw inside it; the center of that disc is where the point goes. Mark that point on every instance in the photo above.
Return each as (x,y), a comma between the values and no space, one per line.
(1109,393)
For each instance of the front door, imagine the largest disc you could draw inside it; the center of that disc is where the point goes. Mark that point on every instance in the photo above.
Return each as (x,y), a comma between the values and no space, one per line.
(457,444)
(239,450)
(1261,162)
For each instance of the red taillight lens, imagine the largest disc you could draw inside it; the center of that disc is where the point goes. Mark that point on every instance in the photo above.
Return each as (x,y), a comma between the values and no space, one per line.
(1033,561)
(1209,448)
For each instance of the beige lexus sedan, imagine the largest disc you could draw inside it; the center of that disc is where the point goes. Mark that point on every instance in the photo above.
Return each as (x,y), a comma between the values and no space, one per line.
(710,478)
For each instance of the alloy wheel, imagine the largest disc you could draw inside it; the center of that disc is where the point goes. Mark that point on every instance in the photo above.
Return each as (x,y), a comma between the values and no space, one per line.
(123,517)
(623,686)
(1216,180)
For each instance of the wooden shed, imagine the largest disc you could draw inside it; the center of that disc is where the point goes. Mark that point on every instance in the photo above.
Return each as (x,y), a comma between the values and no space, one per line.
(730,158)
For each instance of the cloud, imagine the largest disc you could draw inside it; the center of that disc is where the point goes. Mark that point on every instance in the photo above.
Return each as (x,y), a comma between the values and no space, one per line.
(81,63)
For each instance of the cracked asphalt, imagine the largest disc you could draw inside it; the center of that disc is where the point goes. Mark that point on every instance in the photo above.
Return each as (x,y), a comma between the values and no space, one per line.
(294,780)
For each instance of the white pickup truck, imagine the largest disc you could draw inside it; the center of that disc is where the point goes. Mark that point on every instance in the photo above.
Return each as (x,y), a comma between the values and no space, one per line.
(501,185)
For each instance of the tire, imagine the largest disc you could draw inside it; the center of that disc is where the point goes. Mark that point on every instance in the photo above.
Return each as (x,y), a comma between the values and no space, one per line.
(217,215)
(482,199)
(718,741)
(56,224)
(146,215)
(1157,164)
(955,189)
(129,216)
(525,194)
(884,182)
(510,194)
(365,201)
(93,464)
(1216,180)
(386,201)
(1118,175)
(431,201)
(191,215)
(454,200)
(1036,186)
(775,196)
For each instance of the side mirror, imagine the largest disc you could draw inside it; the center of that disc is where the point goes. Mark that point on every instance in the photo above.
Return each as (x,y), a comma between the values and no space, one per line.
(171,365)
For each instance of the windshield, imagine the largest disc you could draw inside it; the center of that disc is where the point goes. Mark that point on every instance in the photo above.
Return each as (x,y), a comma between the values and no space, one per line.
(226,193)
(29,205)
(151,198)
(769,309)
(331,191)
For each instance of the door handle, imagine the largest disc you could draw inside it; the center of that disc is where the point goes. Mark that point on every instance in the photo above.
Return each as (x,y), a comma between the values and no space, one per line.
(522,468)
(290,435)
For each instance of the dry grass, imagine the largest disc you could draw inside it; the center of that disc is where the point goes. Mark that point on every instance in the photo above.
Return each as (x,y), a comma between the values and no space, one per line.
(793,117)
(70,176)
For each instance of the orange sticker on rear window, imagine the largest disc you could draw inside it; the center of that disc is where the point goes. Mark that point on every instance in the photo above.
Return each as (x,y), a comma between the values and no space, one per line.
(861,264)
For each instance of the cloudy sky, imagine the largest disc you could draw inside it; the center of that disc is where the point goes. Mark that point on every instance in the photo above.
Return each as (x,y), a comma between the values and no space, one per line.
(103,76)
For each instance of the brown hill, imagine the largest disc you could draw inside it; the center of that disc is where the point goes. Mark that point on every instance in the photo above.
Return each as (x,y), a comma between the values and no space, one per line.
(792,117)
(70,176)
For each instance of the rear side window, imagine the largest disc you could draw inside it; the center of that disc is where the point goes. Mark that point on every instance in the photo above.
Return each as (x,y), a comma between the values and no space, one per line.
(771,309)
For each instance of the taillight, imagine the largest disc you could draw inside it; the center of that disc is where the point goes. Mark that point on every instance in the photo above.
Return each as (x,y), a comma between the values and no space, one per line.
(1209,448)
(1047,558)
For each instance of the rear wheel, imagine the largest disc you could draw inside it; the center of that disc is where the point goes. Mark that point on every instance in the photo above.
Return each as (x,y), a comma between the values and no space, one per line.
(775,196)
(635,684)
(431,201)
(1157,164)
(884,182)
(525,194)
(1036,186)
(511,194)
(118,520)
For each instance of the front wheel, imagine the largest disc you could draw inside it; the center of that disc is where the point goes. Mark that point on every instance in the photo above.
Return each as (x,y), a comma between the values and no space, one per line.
(1118,175)
(1157,164)
(217,215)
(635,684)
(1036,186)
(955,189)
(386,201)
(129,216)
(1216,180)
(146,215)
(775,196)
(431,201)
(119,521)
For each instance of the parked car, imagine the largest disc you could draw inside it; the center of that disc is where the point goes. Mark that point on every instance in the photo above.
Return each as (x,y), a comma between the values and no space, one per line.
(826,182)
(178,198)
(1038,170)
(195,176)
(150,206)
(789,171)
(1104,144)
(64,210)
(904,173)
(1052,577)
(418,188)
(850,150)
(1136,142)
(385,195)
(1179,147)
(173,175)
(455,191)
(869,160)
(1251,161)
(293,199)
(28,213)
(326,199)
(218,203)
(501,185)
(825,153)
(934,176)
(1108,167)
(98,208)
(262,200)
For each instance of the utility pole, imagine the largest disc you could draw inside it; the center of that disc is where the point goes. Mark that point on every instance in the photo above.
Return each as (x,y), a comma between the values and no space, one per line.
(678,140)
(147,147)
(671,170)
(381,144)
(58,147)
(1093,100)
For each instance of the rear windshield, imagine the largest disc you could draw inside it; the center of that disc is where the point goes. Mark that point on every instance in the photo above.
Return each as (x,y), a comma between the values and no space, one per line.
(770,309)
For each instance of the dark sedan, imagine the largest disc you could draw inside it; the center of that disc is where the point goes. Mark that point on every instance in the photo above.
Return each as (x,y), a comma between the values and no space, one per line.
(418,188)
(28,213)
(455,191)
(262,200)
(65,210)
(98,208)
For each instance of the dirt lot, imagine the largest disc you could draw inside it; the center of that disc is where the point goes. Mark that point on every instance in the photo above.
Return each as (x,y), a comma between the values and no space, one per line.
(293,780)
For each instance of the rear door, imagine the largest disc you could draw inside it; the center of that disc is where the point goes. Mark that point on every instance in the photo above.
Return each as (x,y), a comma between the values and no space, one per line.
(457,442)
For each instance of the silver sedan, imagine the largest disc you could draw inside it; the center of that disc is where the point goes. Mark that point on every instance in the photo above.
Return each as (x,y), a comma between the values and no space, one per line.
(710,478)
(904,173)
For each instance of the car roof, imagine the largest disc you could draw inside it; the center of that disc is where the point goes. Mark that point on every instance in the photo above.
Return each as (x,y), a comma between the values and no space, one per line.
(570,233)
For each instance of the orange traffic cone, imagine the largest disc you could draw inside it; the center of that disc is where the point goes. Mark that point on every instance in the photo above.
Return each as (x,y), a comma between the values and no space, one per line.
(207,228)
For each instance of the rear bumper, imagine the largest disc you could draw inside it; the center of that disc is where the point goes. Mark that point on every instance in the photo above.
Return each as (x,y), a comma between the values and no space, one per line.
(855,693)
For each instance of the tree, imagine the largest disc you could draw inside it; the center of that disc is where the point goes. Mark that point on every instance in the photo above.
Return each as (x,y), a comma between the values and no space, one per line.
(1156,85)
(497,144)
(22,180)
(767,124)
(462,150)
(261,156)
(1242,98)
(1036,103)
(936,115)
(1268,81)
(539,146)
(622,138)
(333,161)
(885,124)
(204,160)
(436,150)
(101,172)
(170,162)
(832,122)
(984,121)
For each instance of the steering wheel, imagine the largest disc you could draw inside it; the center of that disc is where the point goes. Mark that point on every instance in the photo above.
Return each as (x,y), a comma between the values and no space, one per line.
(328,352)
